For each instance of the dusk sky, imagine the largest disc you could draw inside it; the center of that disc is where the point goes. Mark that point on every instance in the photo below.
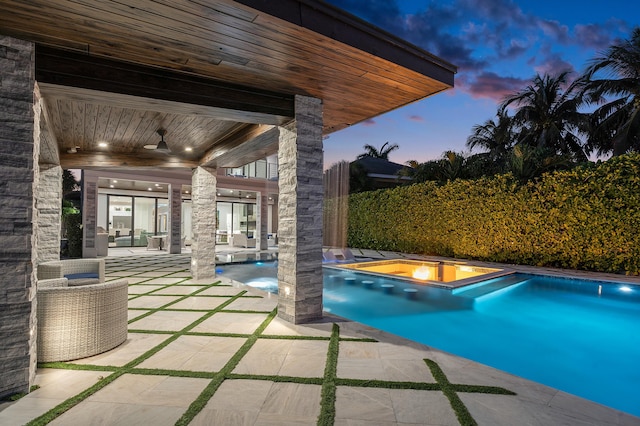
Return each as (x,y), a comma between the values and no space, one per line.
(498,47)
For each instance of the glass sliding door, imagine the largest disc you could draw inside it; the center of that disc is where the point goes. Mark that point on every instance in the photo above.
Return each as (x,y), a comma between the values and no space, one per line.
(162,218)
(120,220)
(131,220)
(235,218)
(248,219)
(143,220)
(224,220)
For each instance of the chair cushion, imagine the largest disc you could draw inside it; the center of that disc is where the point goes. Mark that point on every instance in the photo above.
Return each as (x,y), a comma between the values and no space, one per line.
(82,278)
(80,275)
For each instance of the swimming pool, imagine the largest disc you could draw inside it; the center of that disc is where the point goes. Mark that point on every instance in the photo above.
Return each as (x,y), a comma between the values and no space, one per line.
(574,335)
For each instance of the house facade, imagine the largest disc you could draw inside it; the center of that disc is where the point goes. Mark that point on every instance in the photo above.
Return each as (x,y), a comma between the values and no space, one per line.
(87,85)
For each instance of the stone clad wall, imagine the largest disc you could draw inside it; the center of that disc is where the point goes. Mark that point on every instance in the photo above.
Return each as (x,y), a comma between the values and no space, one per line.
(48,202)
(263,220)
(19,148)
(90,215)
(300,214)
(203,221)
(175,225)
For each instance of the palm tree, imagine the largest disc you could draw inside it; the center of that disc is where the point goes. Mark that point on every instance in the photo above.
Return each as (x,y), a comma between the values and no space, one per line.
(420,172)
(496,137)
(616,124)
(383,153)
(451,166)
(548,116)
(526,162)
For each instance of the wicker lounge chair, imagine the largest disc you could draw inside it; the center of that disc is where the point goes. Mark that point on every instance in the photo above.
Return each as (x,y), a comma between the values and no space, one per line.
(77,271)
(80,321)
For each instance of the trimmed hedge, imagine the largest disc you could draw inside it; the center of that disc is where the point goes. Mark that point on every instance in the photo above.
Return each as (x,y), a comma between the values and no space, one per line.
(586,218)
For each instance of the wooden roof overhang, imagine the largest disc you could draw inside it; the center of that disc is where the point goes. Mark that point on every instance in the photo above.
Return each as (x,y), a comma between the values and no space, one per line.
(216,74)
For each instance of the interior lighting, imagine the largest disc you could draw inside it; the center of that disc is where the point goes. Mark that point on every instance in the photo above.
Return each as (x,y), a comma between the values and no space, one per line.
(114,181)
(422,273)
(149,189)
(157,184)
(188,149)
(102,144)
(111,186)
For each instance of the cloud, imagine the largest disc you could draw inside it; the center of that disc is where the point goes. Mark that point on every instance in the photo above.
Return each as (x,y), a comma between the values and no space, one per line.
(370,122)
(490,85)
(502,13)
(486,38)
(593,35)
(553,64)
(555,30)
(416,118)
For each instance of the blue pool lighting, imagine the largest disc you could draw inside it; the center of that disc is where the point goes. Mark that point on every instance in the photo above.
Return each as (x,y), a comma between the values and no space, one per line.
(570,334)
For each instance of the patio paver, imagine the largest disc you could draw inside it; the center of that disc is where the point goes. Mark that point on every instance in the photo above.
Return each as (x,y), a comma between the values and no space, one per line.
(214,357)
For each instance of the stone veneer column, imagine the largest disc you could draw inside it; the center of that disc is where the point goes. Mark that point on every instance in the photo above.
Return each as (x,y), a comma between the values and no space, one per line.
(49,204)
(175,222)
(263,221)
(300,214)
(19,149)
(89,214)
(203,223)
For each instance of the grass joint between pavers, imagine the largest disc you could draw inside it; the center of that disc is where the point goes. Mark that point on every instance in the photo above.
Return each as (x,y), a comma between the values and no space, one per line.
(329,382)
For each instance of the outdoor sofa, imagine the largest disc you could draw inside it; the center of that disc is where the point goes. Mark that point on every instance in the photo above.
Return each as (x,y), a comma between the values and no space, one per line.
(80,321)
(241,240)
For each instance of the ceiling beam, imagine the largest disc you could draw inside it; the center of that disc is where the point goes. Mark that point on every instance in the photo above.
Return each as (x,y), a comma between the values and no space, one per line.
(97,160)
(66,68)
(259,147)
(230,142)
(117,100)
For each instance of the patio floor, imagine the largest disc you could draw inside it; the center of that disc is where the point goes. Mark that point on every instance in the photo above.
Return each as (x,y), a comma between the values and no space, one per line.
(214,352)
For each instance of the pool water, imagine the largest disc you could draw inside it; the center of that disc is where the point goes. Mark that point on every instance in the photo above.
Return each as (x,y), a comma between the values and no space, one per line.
(574,335)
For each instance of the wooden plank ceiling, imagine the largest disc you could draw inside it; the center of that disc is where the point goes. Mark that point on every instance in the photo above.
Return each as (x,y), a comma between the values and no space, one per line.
(256,53)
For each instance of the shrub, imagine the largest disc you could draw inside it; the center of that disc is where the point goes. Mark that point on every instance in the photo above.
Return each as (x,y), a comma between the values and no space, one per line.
(585,218)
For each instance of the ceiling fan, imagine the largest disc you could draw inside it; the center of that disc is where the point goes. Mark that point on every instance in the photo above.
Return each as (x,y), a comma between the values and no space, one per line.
(162,145)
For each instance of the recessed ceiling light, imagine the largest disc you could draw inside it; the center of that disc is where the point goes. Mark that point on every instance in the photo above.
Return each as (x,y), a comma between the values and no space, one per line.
(188,149)
(248,196)
(102,144)
(111,186)
(157,184)
(150,189)
(114,181)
